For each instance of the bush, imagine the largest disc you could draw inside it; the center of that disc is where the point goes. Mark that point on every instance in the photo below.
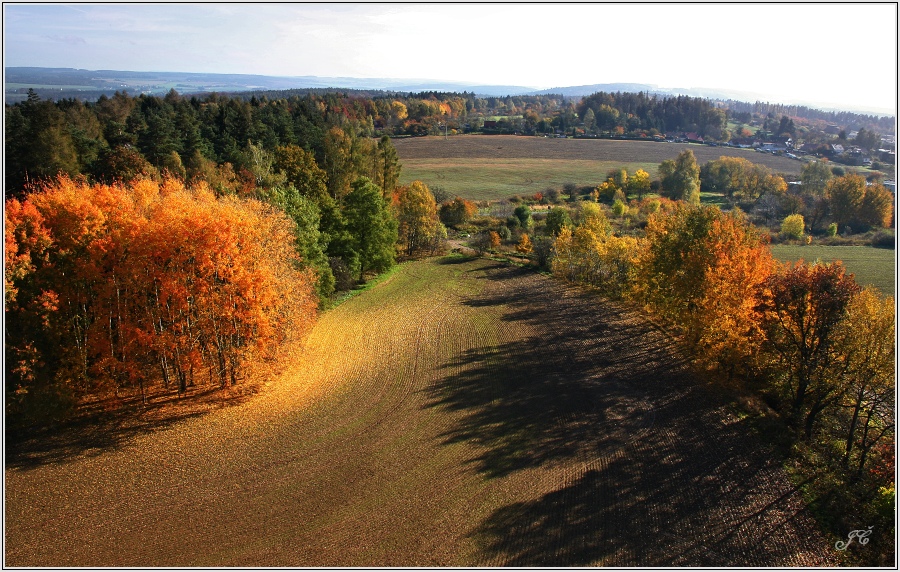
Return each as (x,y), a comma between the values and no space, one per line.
(456,212)
(523,213)
(440,195)
(557,219)
(524,246)
(343,274)
(884,239)
(543,251)
(792,226)
(832,229)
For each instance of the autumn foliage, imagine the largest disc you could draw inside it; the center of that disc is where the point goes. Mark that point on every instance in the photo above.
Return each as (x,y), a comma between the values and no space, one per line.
(456,212)
(699,269)
(113,288)
(816,347)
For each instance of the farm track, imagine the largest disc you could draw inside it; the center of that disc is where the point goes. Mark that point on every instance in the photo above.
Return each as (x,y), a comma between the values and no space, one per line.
(461,413)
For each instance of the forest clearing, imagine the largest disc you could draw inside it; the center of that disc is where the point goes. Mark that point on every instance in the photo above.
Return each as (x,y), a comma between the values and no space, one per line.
(463,412)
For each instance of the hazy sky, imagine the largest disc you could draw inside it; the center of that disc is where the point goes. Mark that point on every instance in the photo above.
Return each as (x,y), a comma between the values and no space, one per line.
(843,54)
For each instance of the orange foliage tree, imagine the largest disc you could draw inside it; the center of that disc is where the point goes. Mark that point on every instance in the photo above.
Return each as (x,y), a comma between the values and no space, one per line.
(699,269)
(115,287)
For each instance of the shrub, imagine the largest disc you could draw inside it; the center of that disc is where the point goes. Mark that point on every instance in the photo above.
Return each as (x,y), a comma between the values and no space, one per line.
(456,212)
(524,246)
(523,213)
(485,241)
(440,195)
(343,273)
(884,239)
(792,226)
(557,219)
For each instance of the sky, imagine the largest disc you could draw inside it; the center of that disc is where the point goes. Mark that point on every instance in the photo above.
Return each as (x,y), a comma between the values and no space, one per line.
(822,53)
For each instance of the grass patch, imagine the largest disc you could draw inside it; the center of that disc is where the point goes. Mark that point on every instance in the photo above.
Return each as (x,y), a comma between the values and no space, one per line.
(490,167)
(870,266)
(494,179)
(717,199)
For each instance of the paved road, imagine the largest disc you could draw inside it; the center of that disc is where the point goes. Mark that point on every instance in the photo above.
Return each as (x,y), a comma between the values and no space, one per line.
(459,414)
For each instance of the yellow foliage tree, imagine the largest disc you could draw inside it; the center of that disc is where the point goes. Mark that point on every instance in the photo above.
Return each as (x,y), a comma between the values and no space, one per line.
(524,245)
(417,216)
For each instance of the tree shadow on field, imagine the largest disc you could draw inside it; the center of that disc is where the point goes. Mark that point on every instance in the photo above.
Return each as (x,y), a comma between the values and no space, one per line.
(455,259)
(97,430)
(658,473)
(549,397)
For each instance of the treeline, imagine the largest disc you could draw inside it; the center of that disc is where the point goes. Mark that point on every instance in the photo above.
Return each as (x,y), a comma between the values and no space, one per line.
(631,112)
(130,289)
(847,119)
(824,202)
(117,288)
(805,338)
(140,257)
(220,139)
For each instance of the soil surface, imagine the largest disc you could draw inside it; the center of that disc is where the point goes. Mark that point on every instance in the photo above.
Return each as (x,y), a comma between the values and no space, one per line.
(461,413)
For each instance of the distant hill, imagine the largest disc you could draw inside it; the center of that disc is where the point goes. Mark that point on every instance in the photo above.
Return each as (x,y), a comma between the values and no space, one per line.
(585,90)
(59,83)
(63,83)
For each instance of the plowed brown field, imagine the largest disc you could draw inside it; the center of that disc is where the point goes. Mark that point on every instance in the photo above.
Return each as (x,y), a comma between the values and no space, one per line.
(461,413)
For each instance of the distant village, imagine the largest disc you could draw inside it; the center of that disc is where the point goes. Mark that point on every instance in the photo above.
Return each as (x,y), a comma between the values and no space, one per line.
(849,154)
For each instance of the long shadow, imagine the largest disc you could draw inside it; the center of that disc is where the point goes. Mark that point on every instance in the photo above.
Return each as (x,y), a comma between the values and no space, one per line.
(551,397)
(90,433)
(665,480)
(453,260)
